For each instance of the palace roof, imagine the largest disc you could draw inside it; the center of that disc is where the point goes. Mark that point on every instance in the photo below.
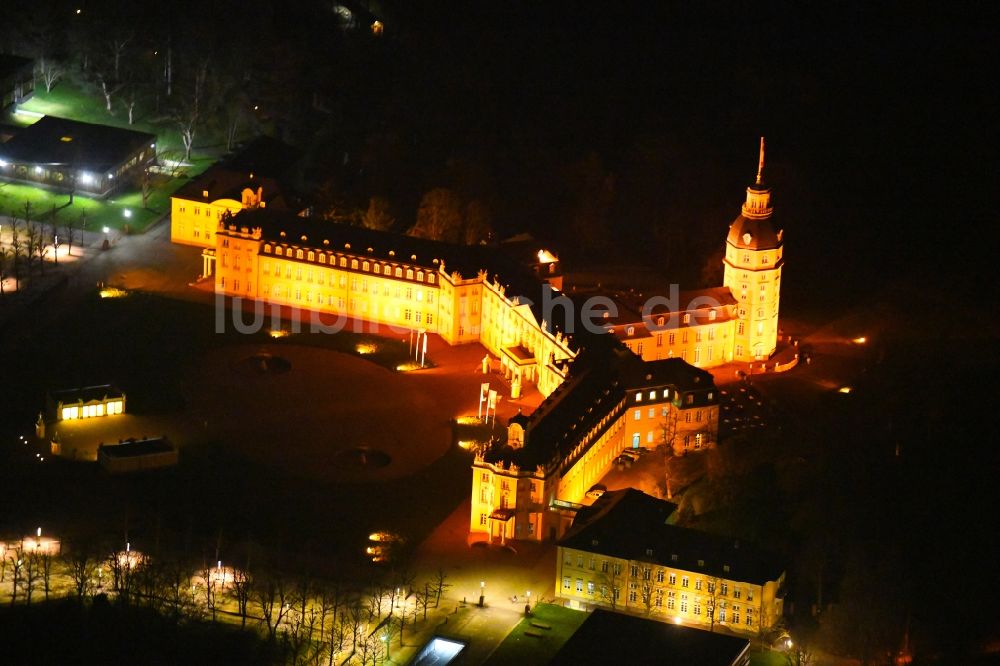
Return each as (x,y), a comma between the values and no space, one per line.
(762,235)
(284,226)
(63,142)
(606,637)
(632,525)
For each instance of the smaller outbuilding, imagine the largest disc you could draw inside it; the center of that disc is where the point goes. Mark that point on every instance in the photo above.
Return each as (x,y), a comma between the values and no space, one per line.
(76,157)
(137,455)
(17,80)
(85,403)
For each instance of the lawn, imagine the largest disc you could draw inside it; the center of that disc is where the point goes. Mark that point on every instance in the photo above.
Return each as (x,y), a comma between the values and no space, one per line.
(70,100)
(520,648)
(767,658)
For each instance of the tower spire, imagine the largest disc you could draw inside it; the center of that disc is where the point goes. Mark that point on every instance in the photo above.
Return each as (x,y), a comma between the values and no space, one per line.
(760,164)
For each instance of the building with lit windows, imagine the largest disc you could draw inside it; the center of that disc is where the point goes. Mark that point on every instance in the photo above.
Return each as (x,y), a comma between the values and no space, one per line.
(253,177)
(85,403)
(69,155)
(463,293)
(624,552)
(612,377)
(737,322)
(531,486)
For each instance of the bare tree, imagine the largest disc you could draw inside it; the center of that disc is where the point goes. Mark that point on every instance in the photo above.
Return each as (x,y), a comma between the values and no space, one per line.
(209,588)
(32,574)
(16,250)
(240,591)
(118,44)
(271,596)
(712,602)
(45,562)
(82,569)
(16,559)
(610,581)
(69,234)
(51,71)
(109,91)
(440,586)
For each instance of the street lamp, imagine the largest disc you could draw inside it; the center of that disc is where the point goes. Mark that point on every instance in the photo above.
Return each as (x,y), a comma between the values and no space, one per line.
(482,593)
(527,603)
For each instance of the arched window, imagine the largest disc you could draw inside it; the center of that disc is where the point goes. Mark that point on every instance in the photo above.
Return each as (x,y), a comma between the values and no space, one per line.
(267,248)
(365,266)
(278,251)
(659,321)
(409,273)
(378,269)
(298,254)
(711,315)
(420,276)
(430,278)
(630,330)
(343,262)
(322,258)
(354,264)
(399,272)
(312,256)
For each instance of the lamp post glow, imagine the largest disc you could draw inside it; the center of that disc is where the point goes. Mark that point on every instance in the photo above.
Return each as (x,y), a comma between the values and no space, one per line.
(482,593)
(527,603)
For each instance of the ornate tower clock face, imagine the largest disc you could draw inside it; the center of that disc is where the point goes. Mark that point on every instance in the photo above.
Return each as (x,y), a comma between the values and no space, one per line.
(747,237)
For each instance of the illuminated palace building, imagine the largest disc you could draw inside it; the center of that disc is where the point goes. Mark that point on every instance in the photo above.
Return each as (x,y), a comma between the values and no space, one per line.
(611,381)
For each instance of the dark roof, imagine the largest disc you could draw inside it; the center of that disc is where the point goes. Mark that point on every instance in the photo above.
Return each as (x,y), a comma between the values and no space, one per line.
(553,430)
(92,147)
(136,447)
(597,383)
(11,65)
(674,372)
(86,393)
(264,162)
(607,637)
(628,523)
(761,230)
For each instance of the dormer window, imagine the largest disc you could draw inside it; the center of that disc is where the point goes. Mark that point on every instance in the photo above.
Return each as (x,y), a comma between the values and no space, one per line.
(711,315)
(687,319)
(659,321)
(701,563)
(638,397)
(630,330)
(725,567)
(673,557)
(649,552)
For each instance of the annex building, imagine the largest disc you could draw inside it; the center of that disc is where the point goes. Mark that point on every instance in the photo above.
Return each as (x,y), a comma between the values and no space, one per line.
(612,377)
(74,156)
(623,552)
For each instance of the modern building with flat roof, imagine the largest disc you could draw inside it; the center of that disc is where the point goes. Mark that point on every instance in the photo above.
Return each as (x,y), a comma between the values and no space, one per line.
(613,638)
(137,455)
(72,156)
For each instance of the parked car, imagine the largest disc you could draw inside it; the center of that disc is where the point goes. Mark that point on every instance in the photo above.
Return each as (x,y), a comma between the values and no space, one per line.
(632,454)
(596,491)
